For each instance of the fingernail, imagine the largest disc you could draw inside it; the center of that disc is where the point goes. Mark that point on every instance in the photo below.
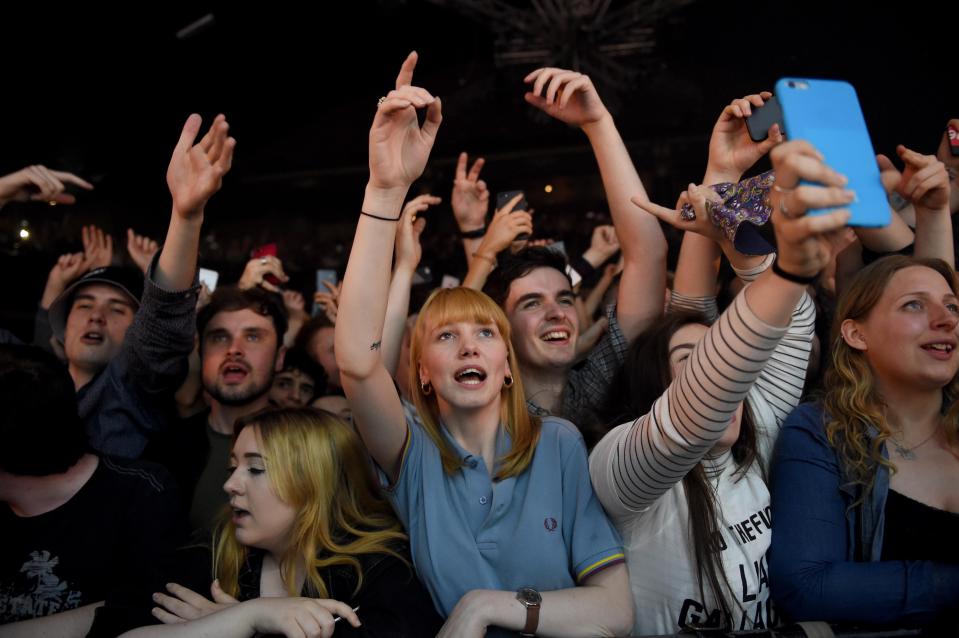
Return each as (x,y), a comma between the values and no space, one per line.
(849,195)
(156,597)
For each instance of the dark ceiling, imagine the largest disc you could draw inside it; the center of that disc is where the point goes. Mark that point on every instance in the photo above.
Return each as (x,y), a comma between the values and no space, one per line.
(103,92)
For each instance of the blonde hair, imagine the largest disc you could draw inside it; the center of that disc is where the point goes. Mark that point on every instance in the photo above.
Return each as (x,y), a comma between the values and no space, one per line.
(315,463)
(453,305)
(851,401)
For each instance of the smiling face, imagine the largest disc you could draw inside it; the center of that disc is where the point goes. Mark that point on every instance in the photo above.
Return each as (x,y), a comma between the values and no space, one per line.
(240,355)
(260,517)
(910,336)
(96,326)
(543,319)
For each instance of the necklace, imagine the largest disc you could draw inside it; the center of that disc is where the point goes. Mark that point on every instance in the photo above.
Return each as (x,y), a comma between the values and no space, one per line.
(909,453)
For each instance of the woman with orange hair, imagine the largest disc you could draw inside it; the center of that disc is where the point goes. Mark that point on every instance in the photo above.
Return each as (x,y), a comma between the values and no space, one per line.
(504,526)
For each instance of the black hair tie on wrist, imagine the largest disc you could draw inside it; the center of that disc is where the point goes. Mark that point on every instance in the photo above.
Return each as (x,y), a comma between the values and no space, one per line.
(473,234)
(385,219)
(799,279)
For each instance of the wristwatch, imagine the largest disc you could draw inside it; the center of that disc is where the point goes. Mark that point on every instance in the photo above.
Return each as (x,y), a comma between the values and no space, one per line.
(529,598)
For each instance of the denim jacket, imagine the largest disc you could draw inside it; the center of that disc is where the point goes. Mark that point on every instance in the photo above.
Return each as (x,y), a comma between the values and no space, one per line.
(824,562)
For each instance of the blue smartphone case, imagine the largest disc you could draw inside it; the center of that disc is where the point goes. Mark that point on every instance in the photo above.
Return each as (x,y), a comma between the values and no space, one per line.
(826,114)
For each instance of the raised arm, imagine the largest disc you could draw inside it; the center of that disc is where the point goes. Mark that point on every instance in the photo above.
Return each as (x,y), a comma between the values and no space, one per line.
(925,184)
(470,202)
(194,175)
(638,462)
(571,98)
(399,149)
(503,230)
(408,254)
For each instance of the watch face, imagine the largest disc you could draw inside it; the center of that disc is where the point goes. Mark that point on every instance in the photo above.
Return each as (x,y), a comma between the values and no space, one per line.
(529,596)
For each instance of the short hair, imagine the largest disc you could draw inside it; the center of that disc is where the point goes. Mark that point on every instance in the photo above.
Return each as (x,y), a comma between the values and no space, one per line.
(512,267)
(297,358)
(232,299)
(40,426)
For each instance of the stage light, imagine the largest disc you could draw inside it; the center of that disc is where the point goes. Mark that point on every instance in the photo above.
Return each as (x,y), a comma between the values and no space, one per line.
(548,188)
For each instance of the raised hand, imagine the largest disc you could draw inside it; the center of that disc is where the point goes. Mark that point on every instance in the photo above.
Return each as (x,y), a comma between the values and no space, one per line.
(731,151)
(408,248)
(603,245)
(196,171)
(329,299)
(256,270)
(568,96)
(97,247)
(505,227)
(40,184)
(68,268)
(802,241)
(399,147)
(470,199)
(141,249)
(924,181)
(700,223)
(952,166)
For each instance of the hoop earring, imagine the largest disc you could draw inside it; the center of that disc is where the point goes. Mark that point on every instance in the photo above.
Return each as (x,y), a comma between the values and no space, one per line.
(426,388)
(508,382)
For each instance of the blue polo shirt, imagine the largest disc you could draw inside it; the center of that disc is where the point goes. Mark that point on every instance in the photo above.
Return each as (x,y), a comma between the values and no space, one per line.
(543,529)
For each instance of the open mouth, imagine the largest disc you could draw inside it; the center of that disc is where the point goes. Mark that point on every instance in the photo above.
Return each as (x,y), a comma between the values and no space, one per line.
(92,338)
(234,373)
(470,376)
(239,514)
(556,336)
(941,349)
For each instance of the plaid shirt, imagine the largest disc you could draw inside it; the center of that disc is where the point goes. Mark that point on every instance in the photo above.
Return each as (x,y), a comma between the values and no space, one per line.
(587,386)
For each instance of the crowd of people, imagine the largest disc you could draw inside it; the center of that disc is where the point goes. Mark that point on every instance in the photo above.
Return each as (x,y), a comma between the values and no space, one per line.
(556,445)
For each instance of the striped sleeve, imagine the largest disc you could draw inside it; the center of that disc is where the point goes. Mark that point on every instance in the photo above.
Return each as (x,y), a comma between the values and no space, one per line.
(704,305)
(638,462)
(778,390)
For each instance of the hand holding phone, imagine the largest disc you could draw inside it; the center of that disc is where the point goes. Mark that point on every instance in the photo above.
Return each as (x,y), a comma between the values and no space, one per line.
(826,113)
(503,198)
(762,118)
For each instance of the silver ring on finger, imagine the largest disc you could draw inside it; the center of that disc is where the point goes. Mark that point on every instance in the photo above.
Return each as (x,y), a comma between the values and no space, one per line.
(381,100)
(263,261)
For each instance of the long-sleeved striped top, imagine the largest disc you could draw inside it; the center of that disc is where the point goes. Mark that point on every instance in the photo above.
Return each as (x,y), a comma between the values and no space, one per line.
(637,469)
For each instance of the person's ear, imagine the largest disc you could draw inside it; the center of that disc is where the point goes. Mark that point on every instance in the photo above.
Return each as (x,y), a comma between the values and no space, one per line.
(280,356)
(853,335)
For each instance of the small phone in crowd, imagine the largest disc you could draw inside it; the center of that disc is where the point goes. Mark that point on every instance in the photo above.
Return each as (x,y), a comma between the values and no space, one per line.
(209,277)
(266,250)
(764,117)
(826,113)
(953,133)
(323,275)
(503,198)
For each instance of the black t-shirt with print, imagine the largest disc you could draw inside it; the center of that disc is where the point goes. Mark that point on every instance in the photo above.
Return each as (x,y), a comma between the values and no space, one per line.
(111,541)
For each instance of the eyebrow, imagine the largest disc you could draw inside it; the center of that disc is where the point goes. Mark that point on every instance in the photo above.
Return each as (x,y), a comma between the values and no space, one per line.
(252,455)
(538,295)
(922,293)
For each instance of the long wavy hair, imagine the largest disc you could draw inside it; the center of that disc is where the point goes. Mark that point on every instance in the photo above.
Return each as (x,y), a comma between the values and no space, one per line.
(851,401)
(315,463)
(453,305)
(645,376)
